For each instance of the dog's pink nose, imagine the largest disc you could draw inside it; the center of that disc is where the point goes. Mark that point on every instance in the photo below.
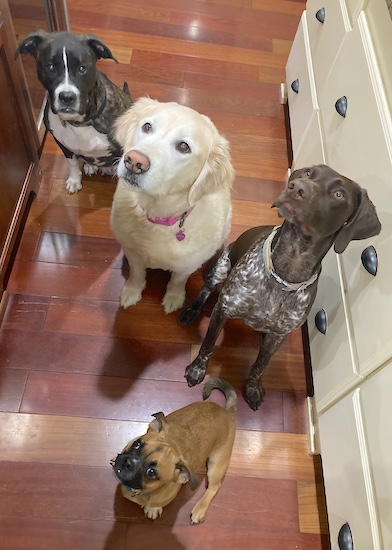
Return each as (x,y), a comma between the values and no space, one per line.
(136,162)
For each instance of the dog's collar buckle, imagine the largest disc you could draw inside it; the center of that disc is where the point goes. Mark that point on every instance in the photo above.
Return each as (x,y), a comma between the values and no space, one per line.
(269,267)
(171,220)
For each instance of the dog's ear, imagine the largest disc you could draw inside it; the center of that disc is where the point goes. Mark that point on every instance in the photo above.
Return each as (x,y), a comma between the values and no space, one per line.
(363,224)
(159,423)
(31,42)
(217,172)
(185,475)
(98,47)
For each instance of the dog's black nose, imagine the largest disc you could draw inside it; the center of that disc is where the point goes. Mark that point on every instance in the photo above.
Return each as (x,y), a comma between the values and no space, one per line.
(67,98)
(296,188)
(136,162)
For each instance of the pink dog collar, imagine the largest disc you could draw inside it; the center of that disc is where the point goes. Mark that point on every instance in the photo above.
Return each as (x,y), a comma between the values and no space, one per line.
(171,220)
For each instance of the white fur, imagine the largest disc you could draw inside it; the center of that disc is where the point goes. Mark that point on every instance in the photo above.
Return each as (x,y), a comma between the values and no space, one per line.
(66,86)
(174,182)
(82,140)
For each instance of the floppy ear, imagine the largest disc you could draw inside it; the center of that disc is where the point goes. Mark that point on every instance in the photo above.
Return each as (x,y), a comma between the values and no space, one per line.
(185,475)
(31,43)
(217,172)
(159,423)
(98,47)
(364,223)
(126,124)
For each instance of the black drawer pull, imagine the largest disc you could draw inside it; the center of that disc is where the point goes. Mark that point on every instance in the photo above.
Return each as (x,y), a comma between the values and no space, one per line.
(320,321)
(369,260)
(320,15)
(295,86)
(345,538)
(341,106)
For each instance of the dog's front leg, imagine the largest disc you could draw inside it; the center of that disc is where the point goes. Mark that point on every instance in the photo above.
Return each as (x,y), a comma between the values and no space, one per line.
(74,181)
(175,292)
(134,286)
(195,372)
(254,391)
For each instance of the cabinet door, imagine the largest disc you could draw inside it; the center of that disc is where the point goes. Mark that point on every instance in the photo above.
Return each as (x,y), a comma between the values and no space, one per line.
(328,23)
(333,367)
(377,411)
(17,149)
(301,91)
(348,487)
(359,145)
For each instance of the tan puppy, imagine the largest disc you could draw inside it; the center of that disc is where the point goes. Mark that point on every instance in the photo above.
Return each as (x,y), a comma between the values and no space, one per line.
(172,206)
(153,467)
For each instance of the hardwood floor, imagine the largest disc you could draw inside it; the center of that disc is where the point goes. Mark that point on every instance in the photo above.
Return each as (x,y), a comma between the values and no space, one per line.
(80,377)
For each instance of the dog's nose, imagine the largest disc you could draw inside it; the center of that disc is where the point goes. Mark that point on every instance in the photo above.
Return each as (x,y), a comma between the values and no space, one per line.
(136,162)
(297,189)
(67,98)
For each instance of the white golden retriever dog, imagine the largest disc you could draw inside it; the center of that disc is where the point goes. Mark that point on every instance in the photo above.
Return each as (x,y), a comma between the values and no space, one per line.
(172,208)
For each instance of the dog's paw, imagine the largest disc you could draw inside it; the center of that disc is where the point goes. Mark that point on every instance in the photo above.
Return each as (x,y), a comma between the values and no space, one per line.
(189,315)
(196,371)
(254,395)
(198,513)
(90,169)
(130,295)
(172,301)
(106,171)
(153,513)
(73,185)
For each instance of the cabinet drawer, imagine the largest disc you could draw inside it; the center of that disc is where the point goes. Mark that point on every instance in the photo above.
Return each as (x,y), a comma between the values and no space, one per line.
(347,475)
(333,367)
(325,38)
(311,149)
(301,91)
(360,147)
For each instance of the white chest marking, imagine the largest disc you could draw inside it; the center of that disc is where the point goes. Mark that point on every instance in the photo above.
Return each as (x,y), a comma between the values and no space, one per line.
(81,140)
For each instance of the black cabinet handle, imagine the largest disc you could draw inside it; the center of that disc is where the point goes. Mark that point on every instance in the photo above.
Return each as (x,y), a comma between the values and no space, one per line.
(295,86)
(369,260)
(345,538)
(321,321)
(341,106)
(320,15)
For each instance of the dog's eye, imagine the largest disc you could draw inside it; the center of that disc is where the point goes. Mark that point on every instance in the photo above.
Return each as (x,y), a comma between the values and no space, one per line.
(151,473)
(137,444)
(82,69)
(307,173)
(338,195)
(146,127)
(183,147)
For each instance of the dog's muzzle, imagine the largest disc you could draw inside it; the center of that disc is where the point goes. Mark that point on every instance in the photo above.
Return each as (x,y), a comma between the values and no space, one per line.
(128,469)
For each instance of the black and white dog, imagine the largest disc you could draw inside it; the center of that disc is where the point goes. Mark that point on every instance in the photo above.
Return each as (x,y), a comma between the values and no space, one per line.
(83,103)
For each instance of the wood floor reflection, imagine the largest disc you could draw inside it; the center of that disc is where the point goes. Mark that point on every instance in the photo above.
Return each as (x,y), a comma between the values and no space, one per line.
(79,376)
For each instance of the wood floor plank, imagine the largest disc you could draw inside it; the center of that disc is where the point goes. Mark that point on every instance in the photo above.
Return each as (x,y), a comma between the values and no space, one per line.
(95,441)
(131,399)
(98,356)
(60,534)
(194,65)
(191,49)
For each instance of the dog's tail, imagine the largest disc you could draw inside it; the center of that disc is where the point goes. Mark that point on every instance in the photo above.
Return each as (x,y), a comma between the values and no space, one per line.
(225,388)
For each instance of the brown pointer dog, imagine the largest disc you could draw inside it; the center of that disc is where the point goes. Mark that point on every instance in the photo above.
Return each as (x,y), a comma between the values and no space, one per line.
(268,277)
(153,467)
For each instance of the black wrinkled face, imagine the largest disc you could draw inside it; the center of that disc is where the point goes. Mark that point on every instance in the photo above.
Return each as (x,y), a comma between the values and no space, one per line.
(318,200)
(133,469)
(66,67)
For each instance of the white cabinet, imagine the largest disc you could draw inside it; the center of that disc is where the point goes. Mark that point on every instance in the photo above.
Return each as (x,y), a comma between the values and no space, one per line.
(347,50)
